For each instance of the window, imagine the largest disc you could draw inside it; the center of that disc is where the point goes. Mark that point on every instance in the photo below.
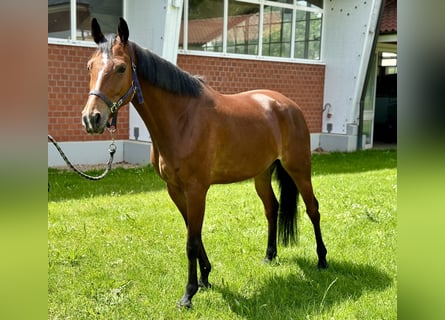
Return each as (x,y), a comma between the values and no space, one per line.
(277,30)
(280,28)
(307,35)
(243,27)
(71,19)
(205,25)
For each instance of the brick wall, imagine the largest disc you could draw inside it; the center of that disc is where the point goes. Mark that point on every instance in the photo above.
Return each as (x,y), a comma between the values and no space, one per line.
(68,87)
(303,83)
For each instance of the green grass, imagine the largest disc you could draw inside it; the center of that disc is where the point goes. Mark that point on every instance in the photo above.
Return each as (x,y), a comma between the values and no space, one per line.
(116,248)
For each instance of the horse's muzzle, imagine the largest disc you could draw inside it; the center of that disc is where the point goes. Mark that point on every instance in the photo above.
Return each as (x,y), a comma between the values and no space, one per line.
(94,123)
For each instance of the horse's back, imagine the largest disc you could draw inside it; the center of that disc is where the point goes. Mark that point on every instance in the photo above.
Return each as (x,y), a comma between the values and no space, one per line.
(273,107)
(288,119)
(251,129)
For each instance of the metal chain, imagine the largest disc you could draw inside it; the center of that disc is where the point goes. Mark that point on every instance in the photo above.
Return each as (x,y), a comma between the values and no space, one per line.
(111,149)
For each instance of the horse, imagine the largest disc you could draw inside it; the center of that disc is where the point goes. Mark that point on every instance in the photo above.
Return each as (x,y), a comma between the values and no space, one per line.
(201,137)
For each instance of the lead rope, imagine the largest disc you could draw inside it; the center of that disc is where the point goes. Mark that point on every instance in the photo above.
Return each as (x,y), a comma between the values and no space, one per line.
(111,149)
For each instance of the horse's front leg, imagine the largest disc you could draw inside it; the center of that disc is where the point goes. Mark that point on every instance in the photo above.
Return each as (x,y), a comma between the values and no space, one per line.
(205,267)
(178,197)
(195,200)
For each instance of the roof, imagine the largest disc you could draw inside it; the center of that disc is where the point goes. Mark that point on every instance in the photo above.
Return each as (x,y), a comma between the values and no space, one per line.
(388,21)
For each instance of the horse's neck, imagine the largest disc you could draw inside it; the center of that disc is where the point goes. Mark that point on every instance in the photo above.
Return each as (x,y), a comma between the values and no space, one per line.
(160,113)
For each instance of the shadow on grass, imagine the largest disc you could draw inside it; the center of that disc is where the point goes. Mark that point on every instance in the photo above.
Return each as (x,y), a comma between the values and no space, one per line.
(66,185)
(312,293)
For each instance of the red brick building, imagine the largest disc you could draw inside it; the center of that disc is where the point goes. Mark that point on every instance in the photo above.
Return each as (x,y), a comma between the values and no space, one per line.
(308,62)
(68,82)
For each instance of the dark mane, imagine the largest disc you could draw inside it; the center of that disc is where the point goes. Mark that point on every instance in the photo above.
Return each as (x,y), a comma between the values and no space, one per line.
(159,71)
(165,74)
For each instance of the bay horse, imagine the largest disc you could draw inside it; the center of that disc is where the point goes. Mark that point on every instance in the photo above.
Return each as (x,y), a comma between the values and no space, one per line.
(201,137)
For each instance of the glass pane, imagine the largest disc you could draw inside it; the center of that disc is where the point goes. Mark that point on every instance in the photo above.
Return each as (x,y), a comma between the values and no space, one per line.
(205,28)
(59,22)
(367,131)
(314,50)
(370,85)
(277,25)
(243,26)
(311,3)
(307,35)
(205,25)
(107,12)
(181,31)
(59,17)
(284,1)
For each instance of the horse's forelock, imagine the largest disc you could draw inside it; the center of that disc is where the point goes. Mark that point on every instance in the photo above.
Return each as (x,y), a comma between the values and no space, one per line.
(105,47)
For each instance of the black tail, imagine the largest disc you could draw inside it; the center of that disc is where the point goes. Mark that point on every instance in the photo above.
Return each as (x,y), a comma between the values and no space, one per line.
(287,211)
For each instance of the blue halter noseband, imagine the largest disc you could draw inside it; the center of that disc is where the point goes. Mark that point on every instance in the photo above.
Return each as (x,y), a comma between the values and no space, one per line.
(134,88)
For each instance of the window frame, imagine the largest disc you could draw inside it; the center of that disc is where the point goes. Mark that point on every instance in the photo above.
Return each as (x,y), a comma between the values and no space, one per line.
(262,3)
(73,41)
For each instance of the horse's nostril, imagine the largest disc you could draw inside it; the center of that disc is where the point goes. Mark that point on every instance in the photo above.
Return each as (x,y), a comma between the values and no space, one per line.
(97,119)
(85,121)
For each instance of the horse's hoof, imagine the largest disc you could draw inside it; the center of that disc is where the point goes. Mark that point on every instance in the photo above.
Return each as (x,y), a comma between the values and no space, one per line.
(267,260)
(323,264)
(204,284)
(184,303)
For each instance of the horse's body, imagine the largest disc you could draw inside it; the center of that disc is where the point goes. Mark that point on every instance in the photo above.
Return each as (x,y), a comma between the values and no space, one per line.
(224,138)
(201,137)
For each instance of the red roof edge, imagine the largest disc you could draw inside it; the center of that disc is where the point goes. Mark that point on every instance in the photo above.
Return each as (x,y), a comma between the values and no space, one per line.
(388,22)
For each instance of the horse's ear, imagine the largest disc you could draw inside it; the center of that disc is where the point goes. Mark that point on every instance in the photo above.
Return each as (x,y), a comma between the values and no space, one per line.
(98,36)
(122,30)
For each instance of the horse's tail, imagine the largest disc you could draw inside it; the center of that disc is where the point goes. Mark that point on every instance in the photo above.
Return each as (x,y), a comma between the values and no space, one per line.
(288,206)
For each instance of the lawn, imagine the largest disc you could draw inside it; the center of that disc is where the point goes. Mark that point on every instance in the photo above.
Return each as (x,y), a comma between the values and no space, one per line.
(116,247)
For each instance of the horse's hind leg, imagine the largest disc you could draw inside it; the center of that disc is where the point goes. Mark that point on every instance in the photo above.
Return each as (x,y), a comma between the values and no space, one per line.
(264,190)
(302,178)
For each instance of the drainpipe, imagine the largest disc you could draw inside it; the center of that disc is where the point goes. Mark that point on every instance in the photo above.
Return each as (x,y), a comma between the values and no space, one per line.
(366,80)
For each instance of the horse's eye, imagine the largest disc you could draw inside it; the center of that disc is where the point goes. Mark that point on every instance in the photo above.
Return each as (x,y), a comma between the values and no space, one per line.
(121,69)
(89,67)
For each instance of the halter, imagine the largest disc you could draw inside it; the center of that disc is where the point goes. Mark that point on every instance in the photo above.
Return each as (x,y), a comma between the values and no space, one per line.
(135,87)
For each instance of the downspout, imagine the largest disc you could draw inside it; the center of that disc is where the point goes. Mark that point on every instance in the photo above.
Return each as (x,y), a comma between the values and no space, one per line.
(366,80)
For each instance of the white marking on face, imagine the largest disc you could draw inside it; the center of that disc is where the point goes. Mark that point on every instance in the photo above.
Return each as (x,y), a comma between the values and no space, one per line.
(86,120)
(102,71)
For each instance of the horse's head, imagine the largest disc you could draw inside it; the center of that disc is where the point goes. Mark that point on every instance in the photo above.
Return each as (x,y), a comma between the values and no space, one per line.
(111,79)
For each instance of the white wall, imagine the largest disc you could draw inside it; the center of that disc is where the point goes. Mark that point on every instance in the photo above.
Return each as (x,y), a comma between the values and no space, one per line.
(96,152)
(349,27)
(87,152)
(154,25)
